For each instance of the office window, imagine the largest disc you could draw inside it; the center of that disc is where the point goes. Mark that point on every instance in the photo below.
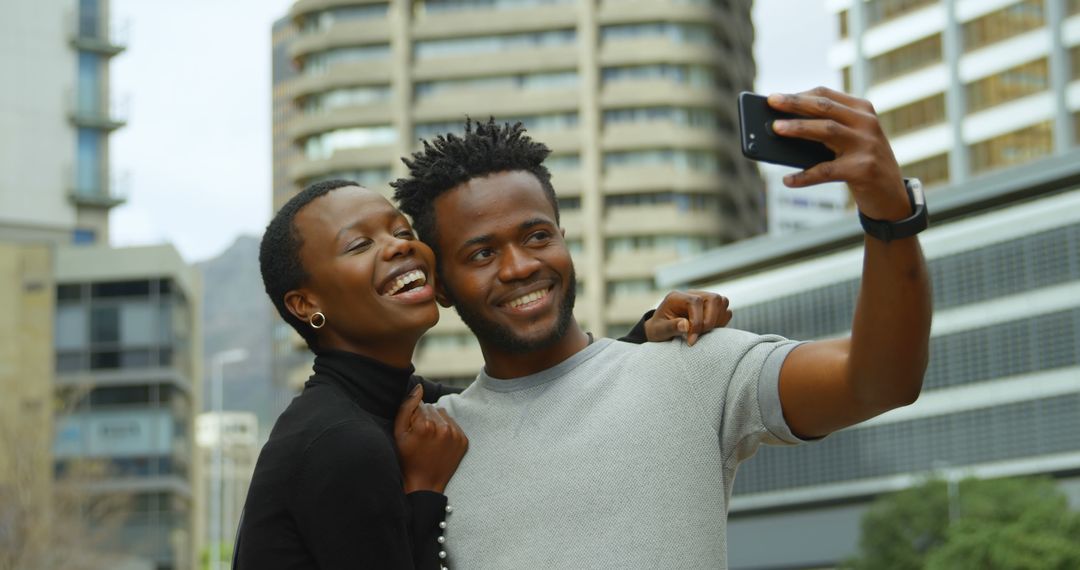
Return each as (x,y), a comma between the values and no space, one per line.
(1076,127)
(524,81)
(681,245)
(346,97)
(550,122)
(83,236)
(629,287)
(930,171)
(104,324)
(428,49)
(570,203)
(878,11)
(88,162)
(367,177)
(688,117)
(1074,60)
(913,116)
(1008,85)
(71,326)
(320,62)
(906,59)
(325,19)
(700,34)
(1010,21)
(1072,7)
(682,202)
(323,146)
(89,84)
(845,78)
(696,75)
(442,6)
(89,18)
(563,162)
(842,23)
(680,160)
(1013,148)
(109,289)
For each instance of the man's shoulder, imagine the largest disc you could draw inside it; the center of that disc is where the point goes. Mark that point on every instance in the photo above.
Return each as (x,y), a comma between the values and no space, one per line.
(716,342)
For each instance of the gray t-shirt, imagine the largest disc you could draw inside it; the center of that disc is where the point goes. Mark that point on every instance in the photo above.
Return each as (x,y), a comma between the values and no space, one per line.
(622,456)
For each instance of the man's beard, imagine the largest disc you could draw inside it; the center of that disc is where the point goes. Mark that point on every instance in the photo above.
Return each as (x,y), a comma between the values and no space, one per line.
(503,337)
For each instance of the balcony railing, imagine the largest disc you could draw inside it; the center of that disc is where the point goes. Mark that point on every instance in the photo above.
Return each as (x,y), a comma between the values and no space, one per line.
(91,32)
(97,112)
(97,192)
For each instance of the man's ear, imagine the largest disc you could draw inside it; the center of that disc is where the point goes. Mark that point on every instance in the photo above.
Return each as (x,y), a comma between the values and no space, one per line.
(301,304)
(563,232)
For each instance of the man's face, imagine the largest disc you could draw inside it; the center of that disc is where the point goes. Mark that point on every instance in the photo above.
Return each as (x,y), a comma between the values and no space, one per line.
(505,265)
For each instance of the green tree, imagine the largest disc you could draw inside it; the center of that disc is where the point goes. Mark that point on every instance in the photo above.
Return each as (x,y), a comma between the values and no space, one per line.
(997,524)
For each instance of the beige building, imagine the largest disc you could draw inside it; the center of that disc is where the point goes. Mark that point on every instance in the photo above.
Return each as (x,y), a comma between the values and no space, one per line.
(636,99)
(26,371)
(965,87)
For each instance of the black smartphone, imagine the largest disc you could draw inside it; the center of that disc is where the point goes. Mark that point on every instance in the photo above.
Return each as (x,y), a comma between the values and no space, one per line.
(759,142)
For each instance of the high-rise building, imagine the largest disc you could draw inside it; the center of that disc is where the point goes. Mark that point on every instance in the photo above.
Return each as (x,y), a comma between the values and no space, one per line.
(965,87)
(636,99)
(127,348)
(57,114)
(1001,396)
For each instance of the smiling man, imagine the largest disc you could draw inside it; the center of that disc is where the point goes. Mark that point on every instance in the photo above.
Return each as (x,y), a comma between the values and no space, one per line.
(589,454)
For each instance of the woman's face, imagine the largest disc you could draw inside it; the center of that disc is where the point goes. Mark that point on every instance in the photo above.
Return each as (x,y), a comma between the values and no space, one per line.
(368,274)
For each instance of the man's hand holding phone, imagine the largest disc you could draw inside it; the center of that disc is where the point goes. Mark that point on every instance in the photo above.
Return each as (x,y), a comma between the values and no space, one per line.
(849,127)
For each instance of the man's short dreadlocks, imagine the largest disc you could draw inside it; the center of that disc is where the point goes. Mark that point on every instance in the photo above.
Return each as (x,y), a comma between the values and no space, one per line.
(450,160)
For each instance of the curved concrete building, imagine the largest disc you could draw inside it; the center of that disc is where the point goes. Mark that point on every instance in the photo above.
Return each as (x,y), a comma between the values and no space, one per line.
(636,98)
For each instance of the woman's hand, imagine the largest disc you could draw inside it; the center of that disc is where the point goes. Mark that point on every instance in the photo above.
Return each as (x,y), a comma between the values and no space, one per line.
(430,444)
(688,314)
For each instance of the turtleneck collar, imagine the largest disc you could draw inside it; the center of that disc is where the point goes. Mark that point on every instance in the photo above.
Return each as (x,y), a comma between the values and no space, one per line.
(375,386)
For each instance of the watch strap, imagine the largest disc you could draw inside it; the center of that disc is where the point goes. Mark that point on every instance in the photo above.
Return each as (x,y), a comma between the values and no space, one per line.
(887,231)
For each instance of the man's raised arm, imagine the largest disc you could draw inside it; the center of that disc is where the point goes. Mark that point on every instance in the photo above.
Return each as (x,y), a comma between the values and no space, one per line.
(832,384)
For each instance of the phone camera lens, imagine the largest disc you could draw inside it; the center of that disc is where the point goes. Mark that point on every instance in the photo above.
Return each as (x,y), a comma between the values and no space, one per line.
(751,148)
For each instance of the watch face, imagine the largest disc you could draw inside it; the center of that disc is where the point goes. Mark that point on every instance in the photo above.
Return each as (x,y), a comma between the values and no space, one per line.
(915,186)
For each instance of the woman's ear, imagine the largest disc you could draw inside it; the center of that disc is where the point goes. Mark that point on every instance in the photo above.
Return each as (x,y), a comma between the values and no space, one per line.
(300,303)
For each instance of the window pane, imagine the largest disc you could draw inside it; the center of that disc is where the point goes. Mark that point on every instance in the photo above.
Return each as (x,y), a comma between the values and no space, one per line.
(1005,23)
(104,325)
(878,11)
(929,171)
(1013,148)
(906,59)
(137,324)
(88,162)
(1008,85)
(70,326)
(89,83)
(120,289)
(916,115)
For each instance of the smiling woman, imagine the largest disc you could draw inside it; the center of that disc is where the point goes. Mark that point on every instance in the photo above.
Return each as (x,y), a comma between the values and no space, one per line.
(331,489)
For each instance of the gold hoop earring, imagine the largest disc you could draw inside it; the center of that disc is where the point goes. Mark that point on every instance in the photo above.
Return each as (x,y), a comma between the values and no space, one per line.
(322,320)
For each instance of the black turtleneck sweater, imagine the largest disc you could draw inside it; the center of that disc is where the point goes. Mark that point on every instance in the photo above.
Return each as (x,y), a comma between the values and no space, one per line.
(327,488)
(327,492)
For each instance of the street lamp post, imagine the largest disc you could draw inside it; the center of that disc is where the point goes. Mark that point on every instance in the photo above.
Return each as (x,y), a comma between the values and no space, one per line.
(217,378)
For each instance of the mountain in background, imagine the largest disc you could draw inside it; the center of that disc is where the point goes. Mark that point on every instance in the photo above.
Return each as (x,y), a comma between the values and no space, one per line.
(237,314)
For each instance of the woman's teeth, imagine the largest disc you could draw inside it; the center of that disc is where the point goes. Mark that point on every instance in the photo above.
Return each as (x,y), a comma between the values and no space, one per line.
(526,299)
(398,284)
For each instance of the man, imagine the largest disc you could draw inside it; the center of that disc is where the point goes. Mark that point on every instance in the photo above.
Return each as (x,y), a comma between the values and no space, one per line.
(587,454)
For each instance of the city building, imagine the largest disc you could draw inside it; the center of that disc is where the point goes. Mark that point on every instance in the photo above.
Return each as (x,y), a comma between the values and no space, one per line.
(1000,396)
(58,112)
(636,99)
(964,87)
(127,353)
(235,436)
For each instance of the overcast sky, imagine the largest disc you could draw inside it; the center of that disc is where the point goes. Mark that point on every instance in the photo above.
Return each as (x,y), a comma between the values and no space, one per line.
(196,150)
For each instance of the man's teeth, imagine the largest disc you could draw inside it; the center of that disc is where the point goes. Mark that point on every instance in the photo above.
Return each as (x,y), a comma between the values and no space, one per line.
(526,299)
(401,282)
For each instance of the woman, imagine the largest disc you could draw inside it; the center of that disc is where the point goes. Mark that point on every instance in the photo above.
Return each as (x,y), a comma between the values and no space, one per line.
(331,489)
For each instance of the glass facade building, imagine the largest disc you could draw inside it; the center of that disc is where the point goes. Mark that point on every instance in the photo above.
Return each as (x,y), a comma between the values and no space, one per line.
(1001,394)
(125,352)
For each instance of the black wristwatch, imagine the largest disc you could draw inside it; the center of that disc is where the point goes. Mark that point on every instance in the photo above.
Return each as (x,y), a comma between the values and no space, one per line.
(887,231)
